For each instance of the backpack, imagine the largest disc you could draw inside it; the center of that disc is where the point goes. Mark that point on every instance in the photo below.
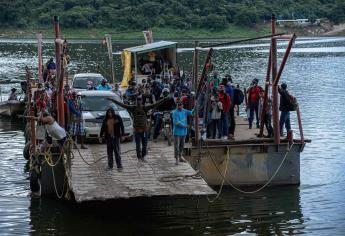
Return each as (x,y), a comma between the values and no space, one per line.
(292,103)
(238,97)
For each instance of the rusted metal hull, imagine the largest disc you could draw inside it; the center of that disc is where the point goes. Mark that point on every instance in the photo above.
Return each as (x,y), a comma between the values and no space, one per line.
(246,165)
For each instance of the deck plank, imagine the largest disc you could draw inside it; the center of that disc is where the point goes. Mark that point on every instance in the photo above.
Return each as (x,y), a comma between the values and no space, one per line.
(94,182)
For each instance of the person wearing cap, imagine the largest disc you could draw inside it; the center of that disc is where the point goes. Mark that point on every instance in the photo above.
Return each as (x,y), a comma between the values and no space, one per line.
(139,114)
(104,86)
(284,109)
(13,94)
(180,126)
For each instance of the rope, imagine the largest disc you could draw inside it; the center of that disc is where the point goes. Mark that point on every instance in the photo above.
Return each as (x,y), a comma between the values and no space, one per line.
(223,180)
(259,189)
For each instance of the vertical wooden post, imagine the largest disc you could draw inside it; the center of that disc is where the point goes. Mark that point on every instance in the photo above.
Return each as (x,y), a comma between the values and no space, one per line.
(275,97)
(31,111)
(110,56)
(59,74)
(195,85)
(195,65)
(39,53)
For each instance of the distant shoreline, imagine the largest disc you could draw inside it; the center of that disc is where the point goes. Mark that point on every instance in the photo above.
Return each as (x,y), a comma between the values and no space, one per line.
(168,33)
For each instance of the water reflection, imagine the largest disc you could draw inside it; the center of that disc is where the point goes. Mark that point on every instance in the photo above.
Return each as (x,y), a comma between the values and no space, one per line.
(275,211)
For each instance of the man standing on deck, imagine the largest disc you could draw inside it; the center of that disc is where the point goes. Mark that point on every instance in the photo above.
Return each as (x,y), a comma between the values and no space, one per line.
(139,114)
(77,126)
(112,131)
(180,126)
(284,107)
(253,102)
(224,98)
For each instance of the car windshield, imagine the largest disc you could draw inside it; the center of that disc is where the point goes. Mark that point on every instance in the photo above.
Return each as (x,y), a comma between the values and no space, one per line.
(80,82)
(98,103)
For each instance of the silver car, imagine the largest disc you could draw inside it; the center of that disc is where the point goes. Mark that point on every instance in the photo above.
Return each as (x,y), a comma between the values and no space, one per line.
(79,81)
(94,105)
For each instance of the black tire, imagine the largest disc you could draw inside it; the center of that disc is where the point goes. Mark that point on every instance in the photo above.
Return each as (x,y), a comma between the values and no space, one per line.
(26,151)
(35,183)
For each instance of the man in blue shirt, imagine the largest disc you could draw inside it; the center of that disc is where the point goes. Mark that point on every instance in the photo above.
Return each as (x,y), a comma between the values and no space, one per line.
(104,86)
(180,127)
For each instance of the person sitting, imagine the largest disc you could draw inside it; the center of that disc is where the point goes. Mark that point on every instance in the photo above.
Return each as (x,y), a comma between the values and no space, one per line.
(89,85)
(104,86)
(13,94)
(168,105)
(147,69)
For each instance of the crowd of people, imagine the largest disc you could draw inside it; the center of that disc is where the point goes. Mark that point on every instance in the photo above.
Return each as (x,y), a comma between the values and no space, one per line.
(217,105)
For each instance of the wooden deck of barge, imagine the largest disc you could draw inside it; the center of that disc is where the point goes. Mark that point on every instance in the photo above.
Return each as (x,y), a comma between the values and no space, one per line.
(159,176)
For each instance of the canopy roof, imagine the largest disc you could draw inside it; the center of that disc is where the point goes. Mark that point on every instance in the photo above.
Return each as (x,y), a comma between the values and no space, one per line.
(151,47)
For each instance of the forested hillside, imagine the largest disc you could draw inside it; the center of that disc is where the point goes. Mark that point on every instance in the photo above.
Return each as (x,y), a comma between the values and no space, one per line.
(181,14)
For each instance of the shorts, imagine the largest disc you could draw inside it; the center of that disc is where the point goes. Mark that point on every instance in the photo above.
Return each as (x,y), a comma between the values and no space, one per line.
(77,129)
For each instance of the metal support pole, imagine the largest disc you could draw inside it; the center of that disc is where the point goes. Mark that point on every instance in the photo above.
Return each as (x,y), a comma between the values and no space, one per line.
(265,103)
(275,98)
(299,119)
(286,55)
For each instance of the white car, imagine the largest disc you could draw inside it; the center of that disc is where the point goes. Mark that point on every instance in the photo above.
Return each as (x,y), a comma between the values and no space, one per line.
(79,81)
(94,105)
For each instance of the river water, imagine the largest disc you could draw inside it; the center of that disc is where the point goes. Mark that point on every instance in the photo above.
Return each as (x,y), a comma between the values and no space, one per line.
(314,74)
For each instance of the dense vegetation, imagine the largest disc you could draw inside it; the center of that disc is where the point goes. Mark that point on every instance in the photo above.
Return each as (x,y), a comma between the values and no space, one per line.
(180,14)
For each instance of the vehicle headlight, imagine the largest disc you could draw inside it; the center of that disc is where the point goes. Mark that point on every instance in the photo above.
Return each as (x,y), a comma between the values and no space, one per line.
(91,124)
(127,122)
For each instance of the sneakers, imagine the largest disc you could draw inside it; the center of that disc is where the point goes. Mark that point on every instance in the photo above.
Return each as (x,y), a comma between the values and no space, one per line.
(225,137)
(176,162)
(181,159)
(120,168)
(142,160)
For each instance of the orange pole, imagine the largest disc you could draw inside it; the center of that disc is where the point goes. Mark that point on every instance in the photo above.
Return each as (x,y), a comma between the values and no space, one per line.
(267,81)
(299,119)
(275,98)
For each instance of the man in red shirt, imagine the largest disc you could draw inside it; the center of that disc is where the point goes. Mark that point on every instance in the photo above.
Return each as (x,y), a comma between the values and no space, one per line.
(224,98)
(253,102)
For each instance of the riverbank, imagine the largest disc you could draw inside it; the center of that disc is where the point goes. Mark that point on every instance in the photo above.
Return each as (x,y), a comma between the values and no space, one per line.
(158,33)
(232,31)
